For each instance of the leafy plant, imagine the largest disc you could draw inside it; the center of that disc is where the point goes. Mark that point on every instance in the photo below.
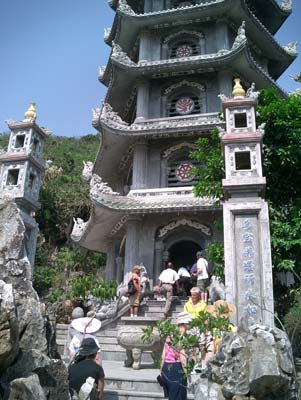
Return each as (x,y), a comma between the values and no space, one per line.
(87,285)
(215,254)
(192,340)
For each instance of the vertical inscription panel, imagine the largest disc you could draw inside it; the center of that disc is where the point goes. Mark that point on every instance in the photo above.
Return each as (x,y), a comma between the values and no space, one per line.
(248,268)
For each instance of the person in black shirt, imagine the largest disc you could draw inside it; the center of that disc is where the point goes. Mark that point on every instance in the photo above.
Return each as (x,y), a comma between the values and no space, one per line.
(85,367)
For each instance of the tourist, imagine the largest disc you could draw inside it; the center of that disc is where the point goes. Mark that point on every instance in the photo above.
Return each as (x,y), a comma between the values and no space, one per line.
(202,275)
(85,367)
(167,279)
(173,364)
(86,328)
(134,299)
(195,305)
(221,308)
(77,312)
(184,280)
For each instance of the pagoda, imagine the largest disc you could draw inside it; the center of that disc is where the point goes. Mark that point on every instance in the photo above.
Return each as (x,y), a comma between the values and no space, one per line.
(21,170)
(170,60)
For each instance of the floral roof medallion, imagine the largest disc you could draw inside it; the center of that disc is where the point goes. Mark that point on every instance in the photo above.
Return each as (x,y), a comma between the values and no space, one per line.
(291,48)
(287,5)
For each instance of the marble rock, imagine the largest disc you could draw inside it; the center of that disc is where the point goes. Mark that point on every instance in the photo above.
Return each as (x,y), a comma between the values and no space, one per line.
(254,364)
(11,230)
(9,329)
(28,388)
(54,380)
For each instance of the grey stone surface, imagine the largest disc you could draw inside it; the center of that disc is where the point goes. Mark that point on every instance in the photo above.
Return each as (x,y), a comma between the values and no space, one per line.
(11,230)
(256,363)
(9,328)
(28,388)
(54,380)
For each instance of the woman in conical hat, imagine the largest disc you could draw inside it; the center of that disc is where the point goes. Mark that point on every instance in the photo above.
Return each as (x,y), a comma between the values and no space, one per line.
(222,309)
(86,327)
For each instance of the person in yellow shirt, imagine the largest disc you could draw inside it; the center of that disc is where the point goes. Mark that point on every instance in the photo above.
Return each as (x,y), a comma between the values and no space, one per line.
(195,305)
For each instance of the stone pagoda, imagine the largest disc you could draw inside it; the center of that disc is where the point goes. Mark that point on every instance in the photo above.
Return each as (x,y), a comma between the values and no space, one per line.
(170,60)
(21,171)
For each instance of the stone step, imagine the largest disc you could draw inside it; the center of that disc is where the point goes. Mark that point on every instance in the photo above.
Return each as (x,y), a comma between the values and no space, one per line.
(140,320)
(103,340)
(107,332)
(132,384)
(120,356)
(128,395)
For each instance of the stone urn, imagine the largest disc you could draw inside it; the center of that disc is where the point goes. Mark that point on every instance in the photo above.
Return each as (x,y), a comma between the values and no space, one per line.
(130,338)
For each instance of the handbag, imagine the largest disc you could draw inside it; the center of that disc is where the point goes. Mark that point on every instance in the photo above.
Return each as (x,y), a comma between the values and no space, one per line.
(160,380)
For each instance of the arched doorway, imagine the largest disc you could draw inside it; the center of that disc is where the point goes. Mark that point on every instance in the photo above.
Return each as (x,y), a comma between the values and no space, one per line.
(183,253)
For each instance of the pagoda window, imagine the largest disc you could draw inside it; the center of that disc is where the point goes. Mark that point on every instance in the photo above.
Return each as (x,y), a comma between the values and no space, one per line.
(184,104)
(240,120)
(184,98)
(179,169)
(20,140)
(242,160)
(12,177)
(183,44)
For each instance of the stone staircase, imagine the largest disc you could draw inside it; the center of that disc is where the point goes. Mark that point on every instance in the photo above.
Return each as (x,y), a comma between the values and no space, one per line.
(123,383)
(149,313)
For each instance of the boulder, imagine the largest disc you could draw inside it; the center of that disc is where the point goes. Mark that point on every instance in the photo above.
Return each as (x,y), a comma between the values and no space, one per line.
(11,230)
(54,380)
(28,388)
(26,363)
(254,364)
(9,329)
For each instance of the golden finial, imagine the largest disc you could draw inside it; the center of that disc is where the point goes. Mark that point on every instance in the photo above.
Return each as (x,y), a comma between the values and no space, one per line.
(31,112)
(238,90)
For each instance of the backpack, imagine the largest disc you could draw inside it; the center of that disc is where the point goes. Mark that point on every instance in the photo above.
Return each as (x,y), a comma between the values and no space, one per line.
(131,287)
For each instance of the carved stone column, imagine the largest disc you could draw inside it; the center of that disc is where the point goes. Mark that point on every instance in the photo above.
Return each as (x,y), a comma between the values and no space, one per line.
(140,165)
(225,82)
(158,261)
(222,35)
(120,269)
(144,46)
(131,245)
(142,101)
(111,266)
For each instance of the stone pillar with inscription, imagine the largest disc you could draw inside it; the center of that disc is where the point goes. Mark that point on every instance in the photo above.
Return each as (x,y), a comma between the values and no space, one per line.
(248,265)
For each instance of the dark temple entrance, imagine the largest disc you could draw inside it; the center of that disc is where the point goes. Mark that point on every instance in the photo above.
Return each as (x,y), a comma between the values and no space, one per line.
(183,253)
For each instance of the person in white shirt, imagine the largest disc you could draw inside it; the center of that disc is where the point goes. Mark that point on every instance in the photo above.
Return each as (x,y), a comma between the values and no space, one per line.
(202,275)
(167,279)
(185,281)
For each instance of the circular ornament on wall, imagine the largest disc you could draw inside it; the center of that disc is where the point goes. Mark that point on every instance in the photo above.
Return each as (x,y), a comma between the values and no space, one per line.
(184,105)
(184,51)
(184,172)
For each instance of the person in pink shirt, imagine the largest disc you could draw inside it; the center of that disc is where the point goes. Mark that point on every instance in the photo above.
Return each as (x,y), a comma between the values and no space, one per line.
(173,364)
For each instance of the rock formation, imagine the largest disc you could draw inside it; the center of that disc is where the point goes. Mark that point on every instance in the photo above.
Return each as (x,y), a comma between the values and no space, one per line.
(252,364)
(24,358)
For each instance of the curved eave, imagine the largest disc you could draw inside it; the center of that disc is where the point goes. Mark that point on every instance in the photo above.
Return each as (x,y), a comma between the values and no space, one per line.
(107,211)
(234,59)
(130,24)
(96,235)
(280,14)
(118,138)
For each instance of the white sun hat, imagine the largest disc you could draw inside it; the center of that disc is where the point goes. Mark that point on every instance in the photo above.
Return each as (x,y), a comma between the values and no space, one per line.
(184,318)
(86,324)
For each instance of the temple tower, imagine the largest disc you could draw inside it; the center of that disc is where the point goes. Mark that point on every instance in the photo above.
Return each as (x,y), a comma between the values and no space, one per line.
(22,168)
(170,59)
(248,264)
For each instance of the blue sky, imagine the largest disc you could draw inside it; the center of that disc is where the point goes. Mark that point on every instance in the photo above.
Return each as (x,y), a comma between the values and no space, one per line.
(50,52)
